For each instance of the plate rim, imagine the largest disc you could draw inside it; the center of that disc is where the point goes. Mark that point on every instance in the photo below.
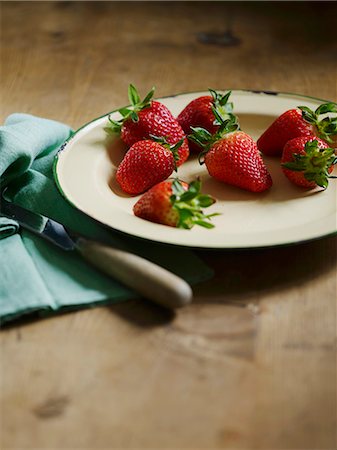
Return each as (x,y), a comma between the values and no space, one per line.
(225,248)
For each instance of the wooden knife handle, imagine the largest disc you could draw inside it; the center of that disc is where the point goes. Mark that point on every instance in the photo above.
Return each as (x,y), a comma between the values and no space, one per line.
(146,278)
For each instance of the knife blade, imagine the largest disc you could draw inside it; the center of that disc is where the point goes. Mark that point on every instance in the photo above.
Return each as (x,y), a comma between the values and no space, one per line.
(151,281)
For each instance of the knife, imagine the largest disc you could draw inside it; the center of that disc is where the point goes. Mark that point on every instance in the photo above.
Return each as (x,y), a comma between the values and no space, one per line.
(146,278)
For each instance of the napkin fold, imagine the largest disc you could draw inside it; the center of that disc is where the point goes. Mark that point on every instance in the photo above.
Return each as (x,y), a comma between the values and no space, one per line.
(37,276)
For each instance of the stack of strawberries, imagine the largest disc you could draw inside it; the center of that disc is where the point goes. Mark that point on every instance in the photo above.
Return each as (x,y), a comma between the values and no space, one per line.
(159,143)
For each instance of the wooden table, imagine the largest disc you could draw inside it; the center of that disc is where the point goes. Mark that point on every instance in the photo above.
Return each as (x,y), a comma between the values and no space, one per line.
(251,363)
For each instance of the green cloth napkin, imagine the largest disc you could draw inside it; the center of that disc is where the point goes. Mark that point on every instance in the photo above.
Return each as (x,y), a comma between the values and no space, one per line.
(37,276)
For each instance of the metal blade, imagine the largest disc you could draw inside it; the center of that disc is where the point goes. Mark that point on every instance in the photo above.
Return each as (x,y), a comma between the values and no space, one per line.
(47,228)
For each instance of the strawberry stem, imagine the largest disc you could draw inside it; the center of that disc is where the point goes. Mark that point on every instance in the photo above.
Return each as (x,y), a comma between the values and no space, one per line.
(189,203)
(205,139)
(130,112)
(221,105)
(326,127)
(173,147)
(314,164)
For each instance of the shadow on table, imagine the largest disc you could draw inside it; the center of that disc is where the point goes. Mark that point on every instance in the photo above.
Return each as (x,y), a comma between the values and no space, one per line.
(143,313)
(239,274)
(140,312)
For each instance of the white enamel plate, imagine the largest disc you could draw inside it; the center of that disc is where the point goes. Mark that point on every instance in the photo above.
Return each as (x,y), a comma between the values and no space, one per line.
(85,174)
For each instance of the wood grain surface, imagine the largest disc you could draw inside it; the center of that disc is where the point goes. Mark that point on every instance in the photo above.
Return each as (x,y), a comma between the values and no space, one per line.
(251,364)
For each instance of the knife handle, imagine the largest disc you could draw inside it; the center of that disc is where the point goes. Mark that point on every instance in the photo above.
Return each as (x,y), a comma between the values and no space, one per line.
(146,278)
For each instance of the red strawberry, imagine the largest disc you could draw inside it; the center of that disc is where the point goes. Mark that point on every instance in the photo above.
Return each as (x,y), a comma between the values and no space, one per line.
(176,204)
(308,162)
(148,117)
(232,156)
(146,164)
(301,121)
(199,113)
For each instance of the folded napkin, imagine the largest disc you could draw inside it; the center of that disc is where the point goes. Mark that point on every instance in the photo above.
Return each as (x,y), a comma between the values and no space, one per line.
(37,276)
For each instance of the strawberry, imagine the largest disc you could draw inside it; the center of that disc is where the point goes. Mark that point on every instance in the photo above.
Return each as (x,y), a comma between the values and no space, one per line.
(231,156)
(199,113)
(308,162)
(301,121)
(176,204)
(148,117)
(147,163)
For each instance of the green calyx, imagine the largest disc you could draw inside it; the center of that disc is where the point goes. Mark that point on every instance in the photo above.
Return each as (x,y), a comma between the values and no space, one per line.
(172,147)
(326,127)
(205,139)
(314,164)
(223,107)
(130,112)
(189,204)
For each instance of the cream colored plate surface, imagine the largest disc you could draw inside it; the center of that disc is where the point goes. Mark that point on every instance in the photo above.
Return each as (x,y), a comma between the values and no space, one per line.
(85,170)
